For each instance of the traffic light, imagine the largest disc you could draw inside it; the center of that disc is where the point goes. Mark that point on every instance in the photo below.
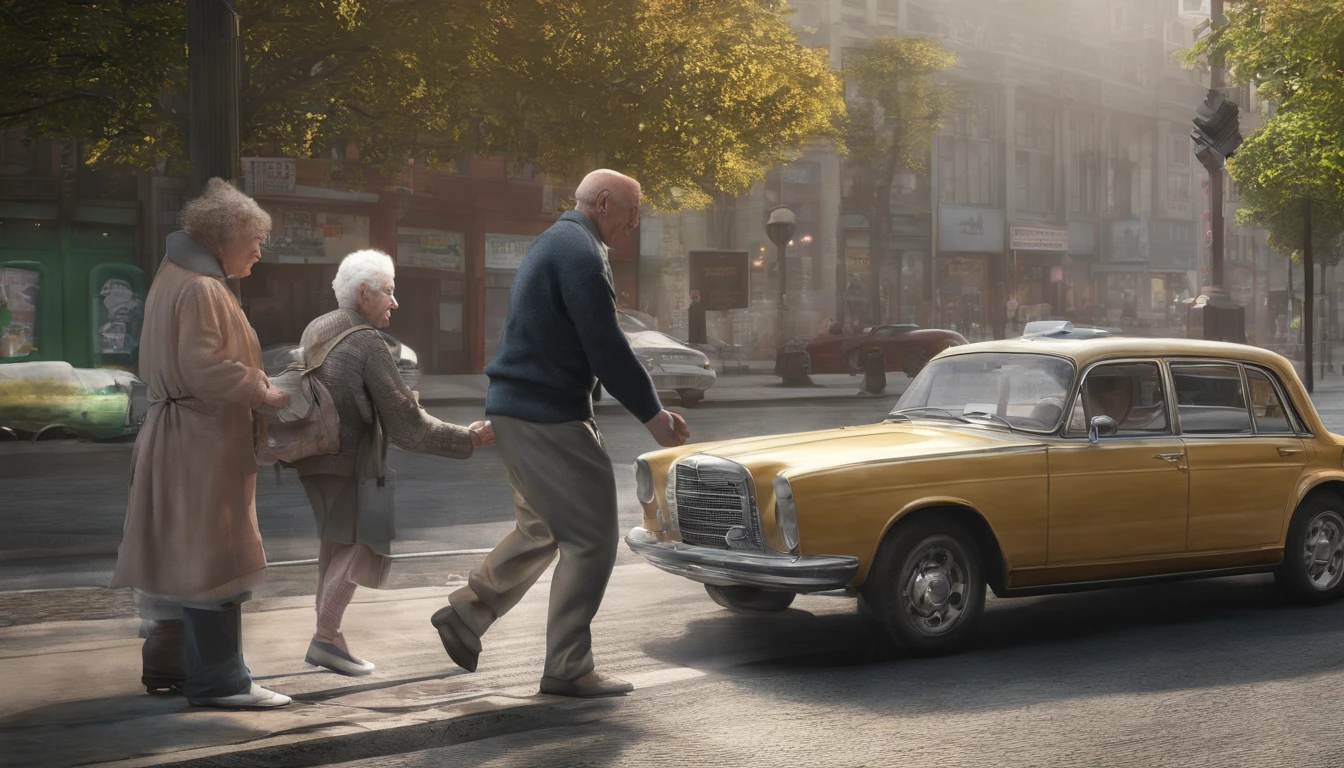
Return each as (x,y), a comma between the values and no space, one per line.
(1216,135)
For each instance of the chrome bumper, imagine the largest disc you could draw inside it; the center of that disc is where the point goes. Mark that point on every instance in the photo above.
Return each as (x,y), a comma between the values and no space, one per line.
(726,567)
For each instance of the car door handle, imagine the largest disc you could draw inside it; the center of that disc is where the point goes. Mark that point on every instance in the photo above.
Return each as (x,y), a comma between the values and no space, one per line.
(1169,457)
(1289,451)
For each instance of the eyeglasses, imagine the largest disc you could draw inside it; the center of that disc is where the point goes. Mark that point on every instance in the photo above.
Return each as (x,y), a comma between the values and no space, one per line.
(622,199)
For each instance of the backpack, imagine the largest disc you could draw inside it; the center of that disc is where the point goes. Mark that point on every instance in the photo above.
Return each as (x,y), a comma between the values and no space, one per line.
(317,428)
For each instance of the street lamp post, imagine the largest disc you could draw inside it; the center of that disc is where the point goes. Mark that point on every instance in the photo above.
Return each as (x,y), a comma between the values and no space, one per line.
(780,228)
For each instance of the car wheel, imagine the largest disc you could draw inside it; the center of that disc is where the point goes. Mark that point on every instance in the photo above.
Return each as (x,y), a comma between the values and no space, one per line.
(691,397)
(926,588)
(738,598)
(914,363)
(1312,570)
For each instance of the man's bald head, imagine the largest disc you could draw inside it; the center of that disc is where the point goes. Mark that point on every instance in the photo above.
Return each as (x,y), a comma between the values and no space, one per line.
(611,201)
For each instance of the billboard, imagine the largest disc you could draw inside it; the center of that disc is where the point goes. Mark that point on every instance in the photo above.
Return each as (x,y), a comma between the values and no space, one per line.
(721,277)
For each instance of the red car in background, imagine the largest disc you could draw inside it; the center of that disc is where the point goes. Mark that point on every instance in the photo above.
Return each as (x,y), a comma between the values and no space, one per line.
(906,347)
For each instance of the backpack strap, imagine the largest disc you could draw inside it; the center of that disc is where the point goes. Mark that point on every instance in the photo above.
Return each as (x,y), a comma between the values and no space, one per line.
(308,366)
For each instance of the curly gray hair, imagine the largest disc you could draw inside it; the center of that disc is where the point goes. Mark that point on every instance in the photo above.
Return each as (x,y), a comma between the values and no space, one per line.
(368,267)
(222,215)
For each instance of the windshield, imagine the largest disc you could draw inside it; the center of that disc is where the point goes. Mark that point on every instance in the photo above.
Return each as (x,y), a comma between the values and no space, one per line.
(631,323)
(1023,391)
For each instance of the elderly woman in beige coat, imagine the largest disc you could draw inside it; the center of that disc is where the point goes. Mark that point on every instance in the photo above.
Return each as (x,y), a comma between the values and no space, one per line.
(354,517)
(190,547)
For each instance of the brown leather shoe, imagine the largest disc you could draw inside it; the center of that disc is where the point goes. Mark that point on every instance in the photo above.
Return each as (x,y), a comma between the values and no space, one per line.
(589,686)
(462,645)
(162,657)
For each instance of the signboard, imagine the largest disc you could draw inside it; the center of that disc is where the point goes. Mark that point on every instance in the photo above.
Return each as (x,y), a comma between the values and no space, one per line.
(506,251)
(430,248)
(269,175)
(18,311)
(305,237)
(966,229)
(721,277)
(1129,241)
(1038,239)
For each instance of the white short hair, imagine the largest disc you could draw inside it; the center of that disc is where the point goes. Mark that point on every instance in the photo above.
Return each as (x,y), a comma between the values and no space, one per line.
(369,267)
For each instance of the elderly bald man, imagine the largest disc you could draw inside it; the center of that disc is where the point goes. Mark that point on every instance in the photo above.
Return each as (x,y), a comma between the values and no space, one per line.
(561,335)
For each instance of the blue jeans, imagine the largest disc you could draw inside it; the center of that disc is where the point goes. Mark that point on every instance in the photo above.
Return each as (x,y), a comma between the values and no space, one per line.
(213,641)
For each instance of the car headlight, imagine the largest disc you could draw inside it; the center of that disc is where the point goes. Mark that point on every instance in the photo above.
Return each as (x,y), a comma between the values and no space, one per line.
(643,482)
(786,513)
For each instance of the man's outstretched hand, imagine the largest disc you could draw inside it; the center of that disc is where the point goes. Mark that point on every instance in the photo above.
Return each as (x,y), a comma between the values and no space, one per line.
(669,429)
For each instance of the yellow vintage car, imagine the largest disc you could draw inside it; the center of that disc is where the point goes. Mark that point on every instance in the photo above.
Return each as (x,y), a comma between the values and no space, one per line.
(1031,466)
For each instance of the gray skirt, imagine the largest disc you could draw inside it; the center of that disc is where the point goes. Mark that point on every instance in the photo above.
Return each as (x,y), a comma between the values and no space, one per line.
(335,502)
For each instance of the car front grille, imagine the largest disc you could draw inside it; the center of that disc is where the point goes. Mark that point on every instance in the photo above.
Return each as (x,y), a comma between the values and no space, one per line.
(680,358)
(712,502)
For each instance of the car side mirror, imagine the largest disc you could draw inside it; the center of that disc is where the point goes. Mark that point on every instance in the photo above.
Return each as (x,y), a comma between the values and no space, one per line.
(1101,426)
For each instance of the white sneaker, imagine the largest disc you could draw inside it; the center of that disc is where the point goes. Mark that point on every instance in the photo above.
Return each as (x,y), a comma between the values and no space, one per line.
(254,698)
(337,659)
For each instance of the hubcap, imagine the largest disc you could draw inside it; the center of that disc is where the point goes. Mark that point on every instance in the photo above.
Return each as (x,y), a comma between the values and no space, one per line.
(933,593)
(1324,550)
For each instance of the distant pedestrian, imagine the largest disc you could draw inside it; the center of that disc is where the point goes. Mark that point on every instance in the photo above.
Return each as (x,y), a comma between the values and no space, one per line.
(695,321)
(354,519)
(190,547)
(856,300)
(560,331)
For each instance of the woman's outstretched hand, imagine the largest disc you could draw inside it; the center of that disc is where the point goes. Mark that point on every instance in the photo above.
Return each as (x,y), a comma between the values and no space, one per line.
(482,433)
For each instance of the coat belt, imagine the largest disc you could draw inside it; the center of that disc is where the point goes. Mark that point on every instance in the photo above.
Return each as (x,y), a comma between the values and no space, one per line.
(191,403)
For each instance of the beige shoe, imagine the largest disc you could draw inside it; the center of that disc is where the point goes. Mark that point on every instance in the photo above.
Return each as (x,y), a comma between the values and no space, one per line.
(337,658)
(590,685)
(255,697)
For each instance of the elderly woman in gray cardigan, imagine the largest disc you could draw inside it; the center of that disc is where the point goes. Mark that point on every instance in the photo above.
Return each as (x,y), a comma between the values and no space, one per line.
(374,406)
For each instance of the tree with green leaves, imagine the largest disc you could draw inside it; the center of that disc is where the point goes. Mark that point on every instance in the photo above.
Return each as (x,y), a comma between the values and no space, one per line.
(693,97)
(898,106)
(1293,51)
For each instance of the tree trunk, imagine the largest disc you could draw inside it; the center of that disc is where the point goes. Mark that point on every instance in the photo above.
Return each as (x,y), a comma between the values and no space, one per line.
(1308,300)
(879,245)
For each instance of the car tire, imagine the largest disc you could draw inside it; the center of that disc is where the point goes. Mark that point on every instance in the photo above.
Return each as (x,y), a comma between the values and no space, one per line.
(1312,571)
(691,397)
(934,616)
(739,598)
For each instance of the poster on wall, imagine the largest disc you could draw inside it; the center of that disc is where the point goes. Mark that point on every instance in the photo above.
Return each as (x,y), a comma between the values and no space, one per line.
(18,311)
(721,278)
(120,314)
(306,237)
(506,251)
(430,248)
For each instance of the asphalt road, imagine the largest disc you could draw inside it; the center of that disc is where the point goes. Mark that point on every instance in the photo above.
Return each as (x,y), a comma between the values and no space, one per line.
(64,501)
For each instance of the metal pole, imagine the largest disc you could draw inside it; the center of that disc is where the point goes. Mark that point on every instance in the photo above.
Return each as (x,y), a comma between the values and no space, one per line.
(1217,80)
(783,294)
(1308,301)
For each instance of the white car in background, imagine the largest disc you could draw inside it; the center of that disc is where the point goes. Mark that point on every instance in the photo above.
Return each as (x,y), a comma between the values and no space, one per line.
(674,366)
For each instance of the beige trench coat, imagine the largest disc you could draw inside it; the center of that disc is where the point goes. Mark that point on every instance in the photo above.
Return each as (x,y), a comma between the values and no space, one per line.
(191,518)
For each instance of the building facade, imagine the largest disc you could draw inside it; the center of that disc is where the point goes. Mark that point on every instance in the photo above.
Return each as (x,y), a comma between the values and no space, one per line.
(1065,181)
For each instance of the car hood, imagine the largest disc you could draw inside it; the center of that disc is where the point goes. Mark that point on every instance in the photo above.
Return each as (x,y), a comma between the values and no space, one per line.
(653,340)
(872,444)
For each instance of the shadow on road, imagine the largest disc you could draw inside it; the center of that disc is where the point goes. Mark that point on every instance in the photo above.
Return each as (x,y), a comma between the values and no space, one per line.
(1223,632)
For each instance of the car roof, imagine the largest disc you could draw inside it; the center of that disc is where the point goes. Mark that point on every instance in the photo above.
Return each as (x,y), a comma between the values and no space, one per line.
(1086,351)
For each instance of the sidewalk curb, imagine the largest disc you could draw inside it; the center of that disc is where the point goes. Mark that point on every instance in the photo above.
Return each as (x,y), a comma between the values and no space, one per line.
(706,403)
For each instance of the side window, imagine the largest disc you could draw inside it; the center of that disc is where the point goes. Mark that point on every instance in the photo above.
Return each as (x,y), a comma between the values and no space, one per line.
(1270,416)
(1130,393)
(1210,400)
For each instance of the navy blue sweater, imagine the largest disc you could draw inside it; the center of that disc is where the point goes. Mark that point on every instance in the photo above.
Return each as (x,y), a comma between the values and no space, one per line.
(562,332)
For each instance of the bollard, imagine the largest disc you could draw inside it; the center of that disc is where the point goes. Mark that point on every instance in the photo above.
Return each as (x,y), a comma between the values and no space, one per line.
(874,371)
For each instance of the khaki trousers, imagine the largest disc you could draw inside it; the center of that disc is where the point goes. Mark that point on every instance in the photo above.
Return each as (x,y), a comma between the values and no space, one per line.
(564,495)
